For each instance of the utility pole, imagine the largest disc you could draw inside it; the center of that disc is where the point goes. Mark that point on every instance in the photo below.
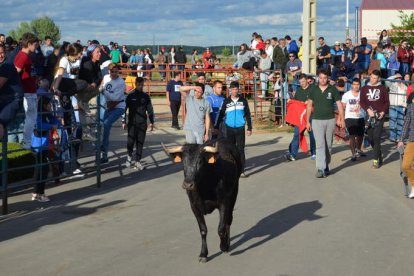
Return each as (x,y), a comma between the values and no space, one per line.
(356,24)
(309,37)
(347,19)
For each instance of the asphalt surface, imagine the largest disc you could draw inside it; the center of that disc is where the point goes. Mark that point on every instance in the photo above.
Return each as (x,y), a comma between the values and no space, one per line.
(286,221)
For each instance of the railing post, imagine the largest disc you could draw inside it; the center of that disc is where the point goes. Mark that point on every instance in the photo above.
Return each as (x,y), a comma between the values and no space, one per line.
(98,141)
(4,169)
(254,96)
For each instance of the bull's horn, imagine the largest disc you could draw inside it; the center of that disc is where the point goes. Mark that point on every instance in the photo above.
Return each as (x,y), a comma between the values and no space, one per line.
(211,149)
(172,150)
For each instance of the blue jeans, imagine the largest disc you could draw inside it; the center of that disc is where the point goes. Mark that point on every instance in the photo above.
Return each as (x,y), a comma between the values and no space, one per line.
(364,65)
(396,114)
(294,145)
(162,67)
(110,117)
(404,68)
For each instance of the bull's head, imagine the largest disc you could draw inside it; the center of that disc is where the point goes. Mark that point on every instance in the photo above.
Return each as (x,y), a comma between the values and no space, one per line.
(193,157)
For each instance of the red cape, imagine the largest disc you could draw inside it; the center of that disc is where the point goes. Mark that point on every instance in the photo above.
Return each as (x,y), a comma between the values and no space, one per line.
(296,115)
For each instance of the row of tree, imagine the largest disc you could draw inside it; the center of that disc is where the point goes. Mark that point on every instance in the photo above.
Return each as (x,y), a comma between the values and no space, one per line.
(45,26)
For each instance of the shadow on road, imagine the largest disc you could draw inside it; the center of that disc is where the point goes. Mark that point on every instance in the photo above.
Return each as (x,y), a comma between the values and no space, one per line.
(276,224)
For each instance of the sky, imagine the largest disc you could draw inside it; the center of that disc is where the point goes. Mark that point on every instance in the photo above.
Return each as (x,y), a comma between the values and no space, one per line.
(178,22)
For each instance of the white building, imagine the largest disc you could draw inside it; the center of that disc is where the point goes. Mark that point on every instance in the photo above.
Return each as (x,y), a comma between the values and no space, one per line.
(377,15)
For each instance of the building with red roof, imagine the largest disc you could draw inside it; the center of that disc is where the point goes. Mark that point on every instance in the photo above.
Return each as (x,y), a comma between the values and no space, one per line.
(377,15)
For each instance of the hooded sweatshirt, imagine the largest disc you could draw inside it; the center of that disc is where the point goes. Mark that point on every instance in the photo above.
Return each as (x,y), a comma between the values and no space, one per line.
(375,97)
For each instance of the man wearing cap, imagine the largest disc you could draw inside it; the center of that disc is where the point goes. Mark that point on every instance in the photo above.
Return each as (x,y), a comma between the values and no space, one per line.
(337,55)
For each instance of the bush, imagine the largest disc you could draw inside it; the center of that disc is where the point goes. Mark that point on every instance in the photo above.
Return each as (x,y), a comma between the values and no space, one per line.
(17,159)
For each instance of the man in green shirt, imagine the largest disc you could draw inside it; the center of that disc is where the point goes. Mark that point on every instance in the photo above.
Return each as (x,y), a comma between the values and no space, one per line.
(302,94)
(115,54)
(322,99)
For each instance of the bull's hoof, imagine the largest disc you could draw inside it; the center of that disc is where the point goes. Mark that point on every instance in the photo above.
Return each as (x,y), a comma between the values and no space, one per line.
(202,259)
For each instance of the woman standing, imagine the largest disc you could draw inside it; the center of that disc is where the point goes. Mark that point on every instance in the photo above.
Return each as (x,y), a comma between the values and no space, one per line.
(354,119)
(171,58)
(113,89)
(384,40)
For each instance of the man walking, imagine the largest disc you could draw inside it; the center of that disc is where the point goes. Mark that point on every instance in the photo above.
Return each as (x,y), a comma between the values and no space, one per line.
(216,100)
(322,99)
(140,109)
(235,113)
(302,95)
(174,98)
(375,101)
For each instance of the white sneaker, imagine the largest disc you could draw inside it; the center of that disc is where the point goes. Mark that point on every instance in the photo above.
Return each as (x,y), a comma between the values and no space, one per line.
(128,161)
(411,195)
(77,171)
(34,196)
(43,198)
(138,166)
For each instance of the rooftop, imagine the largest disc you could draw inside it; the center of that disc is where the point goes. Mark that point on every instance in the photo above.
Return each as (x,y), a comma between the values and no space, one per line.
(387,5)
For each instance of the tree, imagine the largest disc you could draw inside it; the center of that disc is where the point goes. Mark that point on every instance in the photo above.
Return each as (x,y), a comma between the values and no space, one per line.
(41,27)
(226,52)
(407,23)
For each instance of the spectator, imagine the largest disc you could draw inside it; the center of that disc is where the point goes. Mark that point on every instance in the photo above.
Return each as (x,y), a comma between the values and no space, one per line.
(280,54)
(23,64)
(197,120)
(161,61)
(245,58)
(132,61)
(194,58)
(383,65)
(302,94)
(115,54)
(393,65)
(364,54)
(384,40)
(171,58)
(207,55)
(374,99)
(291,45)
(125,54)
(51,63)
(47,47)
(293,70)
(354,119)
(265,63)
(269,49)
(208,90)
(404,56)
(322,99)
(181,59)
(139,107)
(350,57)
(113,89)
(2,39)
(300,53)
(148,63)
(140,62)
(337,55)
(324,55)
(408,136)
(235,113)
(11,92)
(40,143)
(397,96)
(174,98)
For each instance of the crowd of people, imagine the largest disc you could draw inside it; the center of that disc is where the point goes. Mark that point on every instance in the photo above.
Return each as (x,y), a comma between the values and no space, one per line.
(57,84)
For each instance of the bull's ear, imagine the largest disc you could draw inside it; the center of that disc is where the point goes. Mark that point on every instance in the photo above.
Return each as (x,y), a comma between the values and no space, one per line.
(177,157)
(211,158)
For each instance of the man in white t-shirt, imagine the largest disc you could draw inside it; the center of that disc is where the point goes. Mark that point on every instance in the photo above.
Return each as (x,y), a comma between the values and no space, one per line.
(354,119)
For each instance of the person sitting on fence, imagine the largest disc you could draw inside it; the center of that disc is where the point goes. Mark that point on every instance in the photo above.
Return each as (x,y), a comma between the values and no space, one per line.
(140,62)
(113,89)
(46,122)
(245,58)
(264,66)
(397,94)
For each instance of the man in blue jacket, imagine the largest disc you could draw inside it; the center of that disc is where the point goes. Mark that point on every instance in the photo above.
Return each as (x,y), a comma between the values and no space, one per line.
(236,113)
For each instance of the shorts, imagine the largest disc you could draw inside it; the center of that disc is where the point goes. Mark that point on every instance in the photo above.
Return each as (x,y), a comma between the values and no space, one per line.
(355,126)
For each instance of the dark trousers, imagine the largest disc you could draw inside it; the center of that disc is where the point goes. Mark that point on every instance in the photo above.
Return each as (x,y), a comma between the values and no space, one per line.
(237,136)
(374,138)
(175,108)
(136,136)
(41,172)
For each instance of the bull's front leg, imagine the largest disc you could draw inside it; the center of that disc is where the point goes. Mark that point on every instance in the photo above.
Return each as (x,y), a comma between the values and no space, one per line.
(224,229)
(203,232)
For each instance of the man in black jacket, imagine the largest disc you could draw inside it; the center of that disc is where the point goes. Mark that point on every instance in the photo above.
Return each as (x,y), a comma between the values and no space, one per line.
(140,110)
(181,59)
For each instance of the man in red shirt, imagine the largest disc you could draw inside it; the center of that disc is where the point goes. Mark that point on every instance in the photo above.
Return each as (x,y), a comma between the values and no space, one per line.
(27,74)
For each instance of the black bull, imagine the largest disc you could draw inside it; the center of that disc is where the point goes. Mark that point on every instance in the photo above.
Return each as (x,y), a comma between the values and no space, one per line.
(211,178)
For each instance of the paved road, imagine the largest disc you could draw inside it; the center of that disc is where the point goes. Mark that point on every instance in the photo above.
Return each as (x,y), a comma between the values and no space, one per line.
(286,222)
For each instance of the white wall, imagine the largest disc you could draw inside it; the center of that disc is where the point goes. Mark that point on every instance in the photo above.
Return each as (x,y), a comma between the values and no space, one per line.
(374,21)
